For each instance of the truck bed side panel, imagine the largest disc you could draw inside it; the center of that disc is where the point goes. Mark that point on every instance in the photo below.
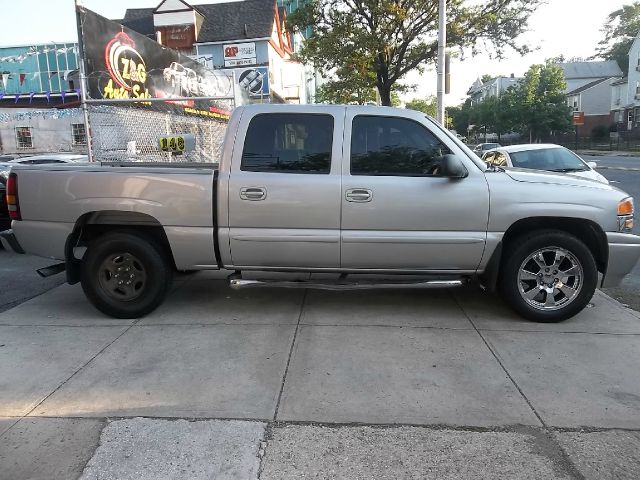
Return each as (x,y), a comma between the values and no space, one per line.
(181,200)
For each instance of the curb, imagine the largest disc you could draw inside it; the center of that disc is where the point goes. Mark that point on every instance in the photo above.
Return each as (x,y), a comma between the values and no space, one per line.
(606,153)
(627,169)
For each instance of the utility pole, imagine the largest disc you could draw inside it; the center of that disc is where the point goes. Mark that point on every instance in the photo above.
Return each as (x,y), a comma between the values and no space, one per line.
(442,42)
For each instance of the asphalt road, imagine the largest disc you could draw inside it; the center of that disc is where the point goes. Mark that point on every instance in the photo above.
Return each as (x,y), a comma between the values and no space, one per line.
(20,282)
(610,161)
(624,173)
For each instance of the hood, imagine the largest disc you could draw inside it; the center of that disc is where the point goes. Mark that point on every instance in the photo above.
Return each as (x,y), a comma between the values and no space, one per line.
(555,178)
(591,174)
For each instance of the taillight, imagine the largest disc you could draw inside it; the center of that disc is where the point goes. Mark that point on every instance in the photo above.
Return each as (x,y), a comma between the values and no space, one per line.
(13,204)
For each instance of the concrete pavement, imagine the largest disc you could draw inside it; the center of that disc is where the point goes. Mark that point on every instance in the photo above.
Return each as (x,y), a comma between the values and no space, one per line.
(307,384)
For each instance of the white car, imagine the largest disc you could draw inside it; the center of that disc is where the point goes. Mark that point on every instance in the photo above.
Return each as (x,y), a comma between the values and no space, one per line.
(41,159)
(49,158)
(543,156)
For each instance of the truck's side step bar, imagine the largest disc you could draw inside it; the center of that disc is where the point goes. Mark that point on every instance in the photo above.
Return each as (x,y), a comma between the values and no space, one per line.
(51,270)
(239,283)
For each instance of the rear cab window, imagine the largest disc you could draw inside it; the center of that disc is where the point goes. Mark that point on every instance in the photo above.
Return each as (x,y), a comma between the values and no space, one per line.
(288,143)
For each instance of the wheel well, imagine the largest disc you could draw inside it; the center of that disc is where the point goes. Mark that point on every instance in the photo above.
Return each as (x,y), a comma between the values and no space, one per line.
(587,231)
(96,224)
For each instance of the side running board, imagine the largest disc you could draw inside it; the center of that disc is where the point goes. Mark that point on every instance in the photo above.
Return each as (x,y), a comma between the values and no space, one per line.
(239,283)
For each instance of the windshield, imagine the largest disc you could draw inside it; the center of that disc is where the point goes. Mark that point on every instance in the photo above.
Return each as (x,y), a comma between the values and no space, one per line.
(468,152)
(553,159)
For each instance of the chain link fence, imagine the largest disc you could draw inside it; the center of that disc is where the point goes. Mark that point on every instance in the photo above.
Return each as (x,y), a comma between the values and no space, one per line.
(130,132)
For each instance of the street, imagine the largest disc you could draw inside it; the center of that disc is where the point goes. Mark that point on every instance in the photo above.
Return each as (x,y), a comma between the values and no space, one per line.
(624,173)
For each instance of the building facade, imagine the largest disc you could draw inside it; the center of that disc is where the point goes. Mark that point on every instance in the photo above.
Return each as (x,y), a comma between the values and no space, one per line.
(247,39)
(495,87)
(625,97)
(39,89)
(589,90)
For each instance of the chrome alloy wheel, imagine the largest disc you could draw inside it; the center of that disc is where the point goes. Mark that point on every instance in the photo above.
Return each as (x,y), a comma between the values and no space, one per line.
(550,278)
(122,276)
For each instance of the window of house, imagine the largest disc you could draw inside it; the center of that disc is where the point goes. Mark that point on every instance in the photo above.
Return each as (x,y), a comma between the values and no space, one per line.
(288,143)
(394,147)
(23,137)
(78,134)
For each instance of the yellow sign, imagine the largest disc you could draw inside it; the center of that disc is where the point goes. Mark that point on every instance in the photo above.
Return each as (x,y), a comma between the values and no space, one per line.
(172,144)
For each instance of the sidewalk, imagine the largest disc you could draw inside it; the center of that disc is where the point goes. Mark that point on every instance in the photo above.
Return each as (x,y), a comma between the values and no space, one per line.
(304,384)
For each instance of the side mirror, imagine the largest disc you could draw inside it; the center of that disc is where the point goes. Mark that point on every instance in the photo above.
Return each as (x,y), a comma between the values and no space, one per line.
(452,167)
(592,164)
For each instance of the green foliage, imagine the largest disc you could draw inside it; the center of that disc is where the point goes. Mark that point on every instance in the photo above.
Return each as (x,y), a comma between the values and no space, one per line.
(378,42)
(460,117)
(619,31)
(540,103)
(428,105)
(535,107)
(346,90)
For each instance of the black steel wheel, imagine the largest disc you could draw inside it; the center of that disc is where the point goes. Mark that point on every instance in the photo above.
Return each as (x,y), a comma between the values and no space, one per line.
(125,275)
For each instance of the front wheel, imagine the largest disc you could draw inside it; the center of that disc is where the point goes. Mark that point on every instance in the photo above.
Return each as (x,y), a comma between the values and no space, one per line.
(125,275)
(548,276)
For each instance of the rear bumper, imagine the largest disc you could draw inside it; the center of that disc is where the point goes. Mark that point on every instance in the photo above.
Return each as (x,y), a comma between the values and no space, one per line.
(10,242)
(624,252)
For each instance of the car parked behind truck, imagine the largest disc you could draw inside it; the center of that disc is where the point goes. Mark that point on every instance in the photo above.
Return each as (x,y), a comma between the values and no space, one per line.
(344,190)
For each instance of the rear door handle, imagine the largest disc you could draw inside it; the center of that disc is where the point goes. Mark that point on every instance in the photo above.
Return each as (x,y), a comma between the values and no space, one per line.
(253,193)
(358,195)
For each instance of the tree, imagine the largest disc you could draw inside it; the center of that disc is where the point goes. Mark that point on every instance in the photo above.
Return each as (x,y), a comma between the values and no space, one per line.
(428,105)
(497,114)
(347,89)
(539,101)
(619,31)
(460,117)
(390,38)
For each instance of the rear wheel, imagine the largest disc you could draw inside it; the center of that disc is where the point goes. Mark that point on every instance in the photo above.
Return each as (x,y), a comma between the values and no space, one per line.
(125,275)
(548,276)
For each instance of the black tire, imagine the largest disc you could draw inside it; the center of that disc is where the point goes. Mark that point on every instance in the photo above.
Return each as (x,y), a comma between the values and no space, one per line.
(148,260)
(522,248)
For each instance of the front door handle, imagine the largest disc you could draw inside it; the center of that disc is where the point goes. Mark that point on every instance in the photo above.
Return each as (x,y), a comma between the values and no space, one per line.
(358,195)
(253,193)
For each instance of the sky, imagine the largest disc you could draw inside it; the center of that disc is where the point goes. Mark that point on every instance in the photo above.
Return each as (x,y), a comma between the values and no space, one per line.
(568,27)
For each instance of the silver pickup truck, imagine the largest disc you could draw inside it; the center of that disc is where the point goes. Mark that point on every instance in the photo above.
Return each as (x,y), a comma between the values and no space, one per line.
(339,190)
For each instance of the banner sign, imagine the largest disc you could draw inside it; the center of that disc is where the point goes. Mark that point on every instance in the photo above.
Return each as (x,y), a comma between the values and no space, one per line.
(121,64)
(237,54)
(253,82)
(578,118)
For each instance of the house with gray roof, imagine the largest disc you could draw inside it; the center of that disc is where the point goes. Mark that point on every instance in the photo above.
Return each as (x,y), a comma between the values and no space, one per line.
(248,38)
(579,74)
(589,90)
